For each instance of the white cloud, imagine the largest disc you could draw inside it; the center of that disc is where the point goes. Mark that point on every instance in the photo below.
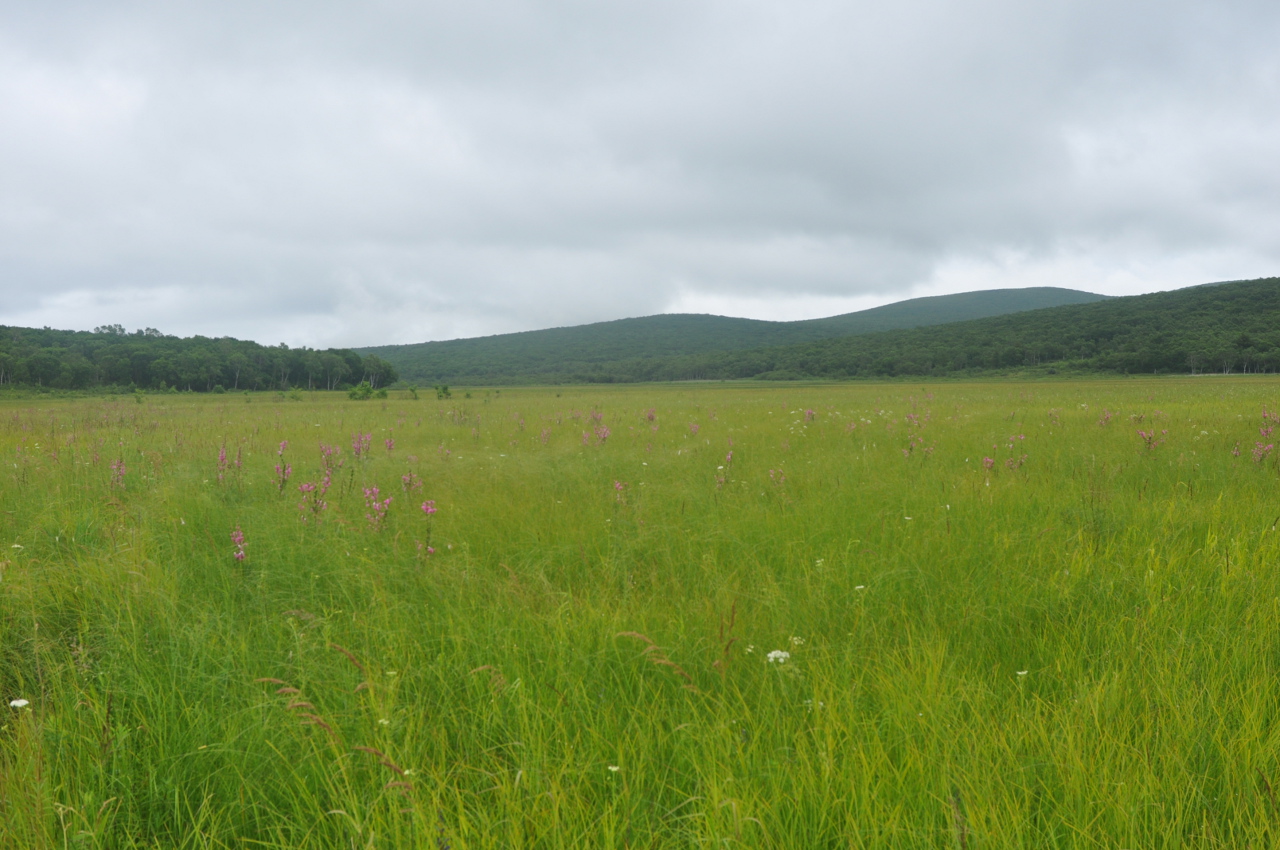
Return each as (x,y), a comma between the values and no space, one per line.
(359,174)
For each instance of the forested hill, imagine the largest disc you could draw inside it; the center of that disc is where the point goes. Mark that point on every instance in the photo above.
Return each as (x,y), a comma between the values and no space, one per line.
(595,351)
(148,359)
(1214,328)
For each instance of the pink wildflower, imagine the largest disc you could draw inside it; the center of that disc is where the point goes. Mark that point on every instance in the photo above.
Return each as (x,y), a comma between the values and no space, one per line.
(377,515)
(282,475)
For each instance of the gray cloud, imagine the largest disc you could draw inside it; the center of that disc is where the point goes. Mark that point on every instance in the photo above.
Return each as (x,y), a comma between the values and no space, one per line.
(392,172)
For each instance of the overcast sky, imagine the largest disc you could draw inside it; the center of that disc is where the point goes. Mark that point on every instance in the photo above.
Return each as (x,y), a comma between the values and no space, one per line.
(328,173)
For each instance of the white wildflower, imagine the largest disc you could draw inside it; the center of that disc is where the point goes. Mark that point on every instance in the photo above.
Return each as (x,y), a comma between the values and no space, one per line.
(797,641)
(613,768)
(18,703)
(778,656)
(1021,672)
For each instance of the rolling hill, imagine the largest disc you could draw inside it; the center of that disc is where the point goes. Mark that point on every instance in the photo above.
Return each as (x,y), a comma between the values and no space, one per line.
(1223,328)
(597,351)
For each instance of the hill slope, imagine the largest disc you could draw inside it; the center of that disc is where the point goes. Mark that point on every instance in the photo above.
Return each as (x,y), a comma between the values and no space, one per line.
(588,352)
(1224,328)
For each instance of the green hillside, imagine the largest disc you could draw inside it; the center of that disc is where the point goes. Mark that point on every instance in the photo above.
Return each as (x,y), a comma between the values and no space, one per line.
(587,352)
(1216,328)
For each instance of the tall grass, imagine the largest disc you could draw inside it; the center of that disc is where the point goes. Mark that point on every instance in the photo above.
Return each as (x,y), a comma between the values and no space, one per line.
(1076,647)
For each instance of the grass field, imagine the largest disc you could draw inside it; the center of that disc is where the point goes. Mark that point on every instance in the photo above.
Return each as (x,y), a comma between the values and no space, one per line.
(962,616)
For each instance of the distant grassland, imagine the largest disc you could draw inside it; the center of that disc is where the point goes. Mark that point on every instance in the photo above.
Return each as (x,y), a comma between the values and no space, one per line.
(999,616)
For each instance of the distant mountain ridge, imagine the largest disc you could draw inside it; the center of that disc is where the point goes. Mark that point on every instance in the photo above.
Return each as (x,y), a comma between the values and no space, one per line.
(1219,328)
(594,351)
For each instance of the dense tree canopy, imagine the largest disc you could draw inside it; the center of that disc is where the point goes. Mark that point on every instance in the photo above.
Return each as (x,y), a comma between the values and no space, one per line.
(1223,328)
(580,352)
(109,356)
(1215,328)
(1227,327)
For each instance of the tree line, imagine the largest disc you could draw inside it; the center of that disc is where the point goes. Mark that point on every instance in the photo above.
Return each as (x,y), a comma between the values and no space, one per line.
(1228,328)
(109,356)
(585,350)
(1225,328)
(1216,328)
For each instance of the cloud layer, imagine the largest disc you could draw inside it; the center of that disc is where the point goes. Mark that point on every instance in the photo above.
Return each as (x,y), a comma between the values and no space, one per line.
(346,174)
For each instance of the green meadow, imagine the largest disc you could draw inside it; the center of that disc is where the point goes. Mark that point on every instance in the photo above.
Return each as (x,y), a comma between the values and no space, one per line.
(968,615)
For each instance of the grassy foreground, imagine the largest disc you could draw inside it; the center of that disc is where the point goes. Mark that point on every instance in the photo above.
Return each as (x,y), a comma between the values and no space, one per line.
(847,616)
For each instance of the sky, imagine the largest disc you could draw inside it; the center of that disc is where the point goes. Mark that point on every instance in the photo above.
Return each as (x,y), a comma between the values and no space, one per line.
(343,174)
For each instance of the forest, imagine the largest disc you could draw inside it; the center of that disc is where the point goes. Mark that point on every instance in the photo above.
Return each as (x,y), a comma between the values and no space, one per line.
(1223,328)
(111,357)
(583,352)
(1227,328)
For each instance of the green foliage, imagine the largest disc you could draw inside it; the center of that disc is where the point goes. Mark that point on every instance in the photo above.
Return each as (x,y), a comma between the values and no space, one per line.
(1217,328)
(361,392)
(626,350)
(1073,646)
(109,357)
